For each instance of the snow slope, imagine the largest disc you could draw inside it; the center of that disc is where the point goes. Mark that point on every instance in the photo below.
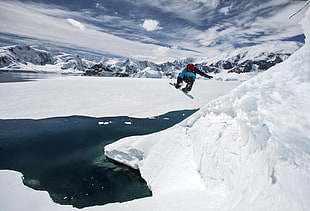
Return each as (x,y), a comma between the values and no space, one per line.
(251,147)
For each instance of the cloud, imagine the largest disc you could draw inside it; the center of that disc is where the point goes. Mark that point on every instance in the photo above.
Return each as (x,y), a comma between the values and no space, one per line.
(76,24)
(161,51)
(150,25)
(210,3)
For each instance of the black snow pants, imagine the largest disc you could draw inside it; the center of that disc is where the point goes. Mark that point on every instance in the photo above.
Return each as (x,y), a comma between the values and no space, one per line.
(189,83)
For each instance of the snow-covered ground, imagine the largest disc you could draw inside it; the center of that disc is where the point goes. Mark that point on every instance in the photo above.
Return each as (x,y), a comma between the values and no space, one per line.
(102,97)
(248,150)
(89,96)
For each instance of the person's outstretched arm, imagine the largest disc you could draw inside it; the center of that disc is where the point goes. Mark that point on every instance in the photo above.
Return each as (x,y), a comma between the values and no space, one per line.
(202,73)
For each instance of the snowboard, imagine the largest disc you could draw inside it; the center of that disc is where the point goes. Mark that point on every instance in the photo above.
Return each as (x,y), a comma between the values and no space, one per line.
(188,95)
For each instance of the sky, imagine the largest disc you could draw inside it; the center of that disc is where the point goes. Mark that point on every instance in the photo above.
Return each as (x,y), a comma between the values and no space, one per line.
(149,30)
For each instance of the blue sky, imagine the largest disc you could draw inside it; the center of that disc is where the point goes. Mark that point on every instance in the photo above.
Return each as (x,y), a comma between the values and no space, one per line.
(145,29)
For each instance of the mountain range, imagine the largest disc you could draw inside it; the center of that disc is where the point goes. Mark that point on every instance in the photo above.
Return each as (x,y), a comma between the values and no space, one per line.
(27,58)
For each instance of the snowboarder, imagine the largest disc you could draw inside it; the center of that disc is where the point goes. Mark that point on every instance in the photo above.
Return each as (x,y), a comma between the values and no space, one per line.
(188,75)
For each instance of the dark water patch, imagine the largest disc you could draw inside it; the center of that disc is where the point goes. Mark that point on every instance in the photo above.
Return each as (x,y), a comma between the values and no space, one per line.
(8,76)
(64,156)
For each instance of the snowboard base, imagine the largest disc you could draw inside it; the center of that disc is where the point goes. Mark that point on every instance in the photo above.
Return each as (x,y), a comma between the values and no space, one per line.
(188,95)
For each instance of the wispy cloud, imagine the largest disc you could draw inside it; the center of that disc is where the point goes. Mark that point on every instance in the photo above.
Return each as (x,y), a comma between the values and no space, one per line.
(253,30)
(76,23)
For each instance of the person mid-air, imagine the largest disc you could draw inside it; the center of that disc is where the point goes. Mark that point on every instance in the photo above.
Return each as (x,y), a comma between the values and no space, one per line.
(188,75)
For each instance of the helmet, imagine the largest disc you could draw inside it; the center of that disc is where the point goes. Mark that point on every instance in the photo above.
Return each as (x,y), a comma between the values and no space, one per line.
(191,66)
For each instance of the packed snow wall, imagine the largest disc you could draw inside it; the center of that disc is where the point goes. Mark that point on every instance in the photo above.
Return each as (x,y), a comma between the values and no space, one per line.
(251,146)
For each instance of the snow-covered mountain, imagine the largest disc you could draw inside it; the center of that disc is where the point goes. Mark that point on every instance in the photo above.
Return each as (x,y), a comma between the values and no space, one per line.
(25,58)
(235,64)
(23,55)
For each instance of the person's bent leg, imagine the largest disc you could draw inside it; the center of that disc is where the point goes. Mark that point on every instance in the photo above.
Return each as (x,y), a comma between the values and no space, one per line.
(179,82)
(189,86)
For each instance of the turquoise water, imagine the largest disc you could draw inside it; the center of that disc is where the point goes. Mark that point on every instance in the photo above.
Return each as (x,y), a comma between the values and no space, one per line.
(64,156)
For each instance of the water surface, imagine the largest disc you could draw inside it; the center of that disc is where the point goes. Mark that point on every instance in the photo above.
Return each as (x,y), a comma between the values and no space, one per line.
(64,156)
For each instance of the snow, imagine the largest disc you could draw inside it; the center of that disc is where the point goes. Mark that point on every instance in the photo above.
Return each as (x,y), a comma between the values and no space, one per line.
(247,150)
(15,196)
(102,97)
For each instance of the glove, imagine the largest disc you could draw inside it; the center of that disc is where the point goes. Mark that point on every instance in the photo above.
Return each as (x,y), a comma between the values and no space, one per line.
(209,76)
